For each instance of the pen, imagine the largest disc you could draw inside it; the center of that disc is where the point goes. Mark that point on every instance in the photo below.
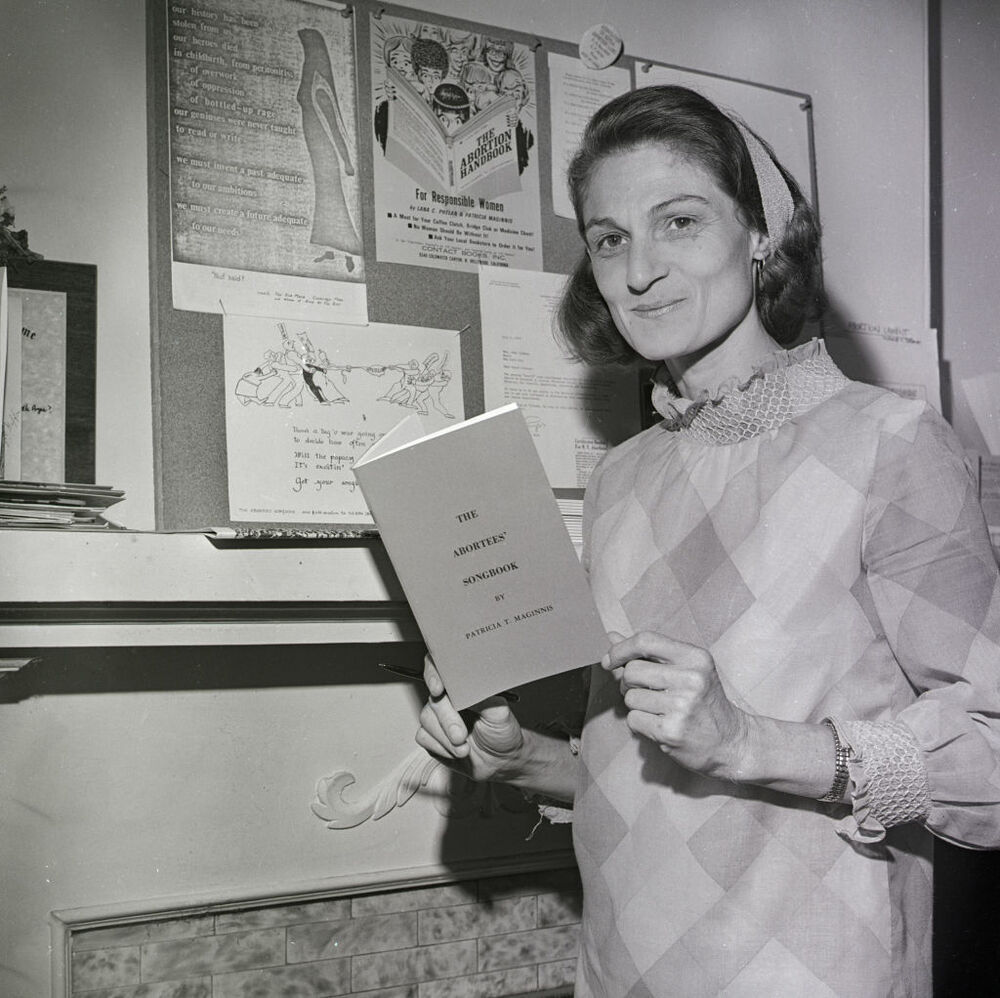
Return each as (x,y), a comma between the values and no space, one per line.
(509,695)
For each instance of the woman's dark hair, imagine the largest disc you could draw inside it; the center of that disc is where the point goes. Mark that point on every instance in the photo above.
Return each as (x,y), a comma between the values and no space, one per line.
(789,287)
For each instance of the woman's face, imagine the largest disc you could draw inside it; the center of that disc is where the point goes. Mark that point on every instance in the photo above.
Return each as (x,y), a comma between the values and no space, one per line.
(400,61)
(458,58)
(669,254)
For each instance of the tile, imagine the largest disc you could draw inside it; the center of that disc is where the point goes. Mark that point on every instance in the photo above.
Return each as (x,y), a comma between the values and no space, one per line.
(494,984)
(213,954)
(466,921)
(141,932)
(106,968)
(308,980)
(413,898)
(518,949)
(407,991)
(538,882)
(560,974)
(325,940)
(425,963)
(200,987)
(559,909)
(290,914)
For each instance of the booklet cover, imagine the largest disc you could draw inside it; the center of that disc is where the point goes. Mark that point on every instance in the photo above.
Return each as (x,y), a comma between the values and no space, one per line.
(474,532)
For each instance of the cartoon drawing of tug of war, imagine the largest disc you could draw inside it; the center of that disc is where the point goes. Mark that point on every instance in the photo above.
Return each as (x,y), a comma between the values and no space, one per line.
(299,370)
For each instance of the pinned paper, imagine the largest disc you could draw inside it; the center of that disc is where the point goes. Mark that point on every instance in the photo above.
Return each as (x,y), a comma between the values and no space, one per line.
(983,394)
(600,46)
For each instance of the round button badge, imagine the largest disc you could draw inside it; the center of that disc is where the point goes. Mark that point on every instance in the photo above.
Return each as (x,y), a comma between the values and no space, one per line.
(600,46)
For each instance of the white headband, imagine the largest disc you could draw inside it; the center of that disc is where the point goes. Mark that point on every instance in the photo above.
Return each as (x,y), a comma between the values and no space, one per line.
(774,193)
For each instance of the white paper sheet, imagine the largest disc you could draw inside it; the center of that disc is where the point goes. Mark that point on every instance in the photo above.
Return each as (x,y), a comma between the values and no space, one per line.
(42,362)
(983,395)
(10,384)
(901,358)
(305,399)
(776,116)
(575,93)
(575,412)
(4,308)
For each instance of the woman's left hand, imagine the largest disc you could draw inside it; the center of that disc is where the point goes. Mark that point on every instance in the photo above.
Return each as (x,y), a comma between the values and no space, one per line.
(675,699)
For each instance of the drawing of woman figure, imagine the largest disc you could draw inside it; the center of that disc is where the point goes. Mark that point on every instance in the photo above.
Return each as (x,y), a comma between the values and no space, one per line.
(248,387)
(403,389)
(398,56)
(511,83)
(451,105)
(497,53)
(327,140)
(316,372)
(480,84)
(430,383)
(288,389)
(461,46)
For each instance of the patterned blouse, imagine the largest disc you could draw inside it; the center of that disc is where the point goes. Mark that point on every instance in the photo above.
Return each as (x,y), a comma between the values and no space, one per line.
(824,540)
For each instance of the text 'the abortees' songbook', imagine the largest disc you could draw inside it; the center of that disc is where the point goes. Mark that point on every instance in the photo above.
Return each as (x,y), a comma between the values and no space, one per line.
(475,535)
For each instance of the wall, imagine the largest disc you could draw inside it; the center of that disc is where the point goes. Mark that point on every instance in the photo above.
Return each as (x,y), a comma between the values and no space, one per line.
(154,789)
(970,167)
(73,157)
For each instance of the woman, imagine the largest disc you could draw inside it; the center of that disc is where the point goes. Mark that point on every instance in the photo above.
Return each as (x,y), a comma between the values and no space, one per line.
(802,604)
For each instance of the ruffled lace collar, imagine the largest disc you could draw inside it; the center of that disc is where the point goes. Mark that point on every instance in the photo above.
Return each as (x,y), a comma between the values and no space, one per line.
(786,384)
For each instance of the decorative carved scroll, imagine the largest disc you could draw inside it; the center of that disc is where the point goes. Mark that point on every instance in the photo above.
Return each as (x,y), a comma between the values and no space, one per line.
(453,795)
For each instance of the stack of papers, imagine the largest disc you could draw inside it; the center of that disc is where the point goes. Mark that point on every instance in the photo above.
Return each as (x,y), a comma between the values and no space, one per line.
(572,514)
(61,505)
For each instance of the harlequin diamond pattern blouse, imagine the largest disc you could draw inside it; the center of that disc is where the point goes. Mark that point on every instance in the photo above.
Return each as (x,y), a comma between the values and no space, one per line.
(823,539)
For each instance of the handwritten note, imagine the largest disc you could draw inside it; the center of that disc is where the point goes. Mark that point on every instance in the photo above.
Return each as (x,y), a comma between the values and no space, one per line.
(35,395)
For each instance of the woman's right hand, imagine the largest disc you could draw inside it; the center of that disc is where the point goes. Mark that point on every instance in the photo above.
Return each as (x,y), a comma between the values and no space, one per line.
(483,753)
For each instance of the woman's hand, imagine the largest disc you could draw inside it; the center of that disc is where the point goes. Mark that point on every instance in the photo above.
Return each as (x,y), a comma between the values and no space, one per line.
(675,699)
(484,753)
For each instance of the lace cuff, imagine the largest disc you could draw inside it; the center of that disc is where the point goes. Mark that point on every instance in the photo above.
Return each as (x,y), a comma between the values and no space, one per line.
(888,779)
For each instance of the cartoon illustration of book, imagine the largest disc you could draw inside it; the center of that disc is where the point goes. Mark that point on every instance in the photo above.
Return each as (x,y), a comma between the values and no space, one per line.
(478,158)
(475,534)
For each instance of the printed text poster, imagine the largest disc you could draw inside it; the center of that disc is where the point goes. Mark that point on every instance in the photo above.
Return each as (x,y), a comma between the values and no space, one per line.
(455,147)
(304,400)
(265,209)
(576,93)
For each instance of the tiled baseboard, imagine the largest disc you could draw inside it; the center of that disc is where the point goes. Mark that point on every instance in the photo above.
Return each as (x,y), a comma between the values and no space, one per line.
(491,937)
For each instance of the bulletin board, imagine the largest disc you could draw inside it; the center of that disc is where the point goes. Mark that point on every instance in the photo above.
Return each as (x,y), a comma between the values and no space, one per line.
(189,420)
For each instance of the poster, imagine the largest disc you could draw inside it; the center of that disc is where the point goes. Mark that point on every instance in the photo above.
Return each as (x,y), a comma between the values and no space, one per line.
(305,399)
(455,149)
(264,192)
(577,91)
(575,412)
